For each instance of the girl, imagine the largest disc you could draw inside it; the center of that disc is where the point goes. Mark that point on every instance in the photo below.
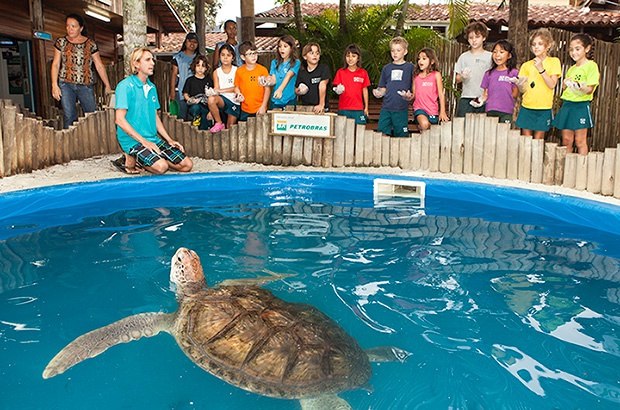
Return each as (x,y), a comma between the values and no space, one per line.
(283,72)
(194,91)
(574,118)
(429,106)
(224,85)
(538,78)
(351,84)
(499,83)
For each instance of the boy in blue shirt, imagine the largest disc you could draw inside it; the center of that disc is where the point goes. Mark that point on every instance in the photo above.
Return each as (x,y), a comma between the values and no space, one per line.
(395,87)
(138,123)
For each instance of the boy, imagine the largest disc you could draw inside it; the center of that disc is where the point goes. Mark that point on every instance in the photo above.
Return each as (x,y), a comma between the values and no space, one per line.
(471,66)
(312,81)
(395,87)
(138,122)
(254,98)
(194,92)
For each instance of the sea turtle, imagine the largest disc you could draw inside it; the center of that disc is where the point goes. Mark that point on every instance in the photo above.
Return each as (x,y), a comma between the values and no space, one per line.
(246,336)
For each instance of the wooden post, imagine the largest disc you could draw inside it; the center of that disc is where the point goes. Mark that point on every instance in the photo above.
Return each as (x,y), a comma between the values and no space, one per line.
(570,170)
(340,124)
(478,144)
(617,173)
(404,149)
(217,141)
(377,146)
(549,163)
(252,131)
(501,151)
(39,156)
(538,153)
(416,149)
(369,142)
(525,157)
(308,149)
(595,172)
(92,135)
(328,152)
(560,161)
(50,153)
(468,143)
(316,154)
(434,148)
(27,143)
(490,146)
(512,165)
(581,178)
(609,162)
(458,135)
(297,151)
(225,141)
(445,147)
(20,131)
(349,142)
(385,150)
(360,131)
(287,150)
(239,142)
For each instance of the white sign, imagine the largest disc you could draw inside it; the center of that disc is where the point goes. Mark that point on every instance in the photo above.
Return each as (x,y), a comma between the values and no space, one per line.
(301,124)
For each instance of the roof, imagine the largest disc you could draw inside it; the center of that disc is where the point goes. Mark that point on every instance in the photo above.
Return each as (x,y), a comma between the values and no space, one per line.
(168,16)
(172,42)
(538,14)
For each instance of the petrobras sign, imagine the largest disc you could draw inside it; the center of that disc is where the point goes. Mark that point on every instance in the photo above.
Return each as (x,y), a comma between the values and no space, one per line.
(301,124)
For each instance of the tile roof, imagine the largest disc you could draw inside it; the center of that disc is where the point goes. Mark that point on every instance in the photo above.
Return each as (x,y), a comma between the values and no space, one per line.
(539,14)
(172,42)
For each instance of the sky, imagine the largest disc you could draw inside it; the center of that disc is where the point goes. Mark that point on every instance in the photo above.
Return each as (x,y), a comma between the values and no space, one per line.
(231,9)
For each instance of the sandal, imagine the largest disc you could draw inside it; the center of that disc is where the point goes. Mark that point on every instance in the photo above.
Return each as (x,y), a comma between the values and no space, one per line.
(120,165)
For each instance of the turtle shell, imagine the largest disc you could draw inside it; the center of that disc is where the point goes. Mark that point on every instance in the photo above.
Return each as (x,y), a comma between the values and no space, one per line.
(258,342)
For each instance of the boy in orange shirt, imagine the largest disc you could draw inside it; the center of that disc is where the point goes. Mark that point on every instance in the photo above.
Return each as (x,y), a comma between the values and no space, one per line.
(249,90)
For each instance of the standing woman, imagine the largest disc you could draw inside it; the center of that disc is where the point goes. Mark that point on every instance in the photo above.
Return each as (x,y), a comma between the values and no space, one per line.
(72,72)
(181,72)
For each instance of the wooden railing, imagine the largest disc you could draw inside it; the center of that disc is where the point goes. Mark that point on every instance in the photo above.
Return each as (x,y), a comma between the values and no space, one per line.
(477,145)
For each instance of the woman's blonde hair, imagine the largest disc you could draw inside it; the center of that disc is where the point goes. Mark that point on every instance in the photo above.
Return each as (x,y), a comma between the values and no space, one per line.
(136,55)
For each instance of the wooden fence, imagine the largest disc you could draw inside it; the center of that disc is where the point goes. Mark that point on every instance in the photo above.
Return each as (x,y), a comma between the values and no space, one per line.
(477,145)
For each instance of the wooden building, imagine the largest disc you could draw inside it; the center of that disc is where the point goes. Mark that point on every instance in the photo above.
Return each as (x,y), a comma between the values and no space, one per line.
(30,28)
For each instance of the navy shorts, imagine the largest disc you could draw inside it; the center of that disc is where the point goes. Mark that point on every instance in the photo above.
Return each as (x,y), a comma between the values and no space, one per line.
(231,108)
(535,120)
(433,119)
(146,158)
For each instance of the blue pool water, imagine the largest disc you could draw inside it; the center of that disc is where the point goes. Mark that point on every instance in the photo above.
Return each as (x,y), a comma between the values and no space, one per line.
(507,298)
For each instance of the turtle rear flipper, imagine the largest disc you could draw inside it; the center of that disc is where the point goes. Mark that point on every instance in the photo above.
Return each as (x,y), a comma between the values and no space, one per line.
(387,354)
(98,341)
(326,402)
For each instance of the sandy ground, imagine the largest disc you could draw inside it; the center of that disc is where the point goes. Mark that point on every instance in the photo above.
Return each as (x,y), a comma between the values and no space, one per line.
(101,168)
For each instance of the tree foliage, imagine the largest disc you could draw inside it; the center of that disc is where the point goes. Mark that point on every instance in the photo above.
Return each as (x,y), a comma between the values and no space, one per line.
(186,12)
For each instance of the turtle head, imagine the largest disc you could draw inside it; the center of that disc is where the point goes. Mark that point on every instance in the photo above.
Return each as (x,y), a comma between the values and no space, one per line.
(186,272)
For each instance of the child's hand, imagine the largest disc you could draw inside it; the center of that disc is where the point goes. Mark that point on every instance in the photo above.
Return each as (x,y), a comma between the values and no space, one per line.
(466,73)
(478,101)
(378,92)
(277,94)
(522,83)
(302,89)
(193,100)
(443,117)
(210,92)
(265,81)
(318,109)
(513,80)
(578,88)
(406,95)
(538,63)
(339,89)
(239,98)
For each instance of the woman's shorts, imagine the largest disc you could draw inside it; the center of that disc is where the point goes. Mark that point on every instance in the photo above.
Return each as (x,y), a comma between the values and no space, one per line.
(535,120)
(574,116)
(357,115)
(433,119)
(146,158)
(231,108)
(503,116)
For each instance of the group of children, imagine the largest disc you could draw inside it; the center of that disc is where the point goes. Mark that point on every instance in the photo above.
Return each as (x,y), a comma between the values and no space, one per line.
(491,83)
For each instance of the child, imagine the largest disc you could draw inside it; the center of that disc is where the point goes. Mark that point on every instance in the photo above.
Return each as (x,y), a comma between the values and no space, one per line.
(312,81)
(351,84)
(194,91)
(574,118)
(283,73)
(429,105)
(499,83)
(538,79)
(395,84)
(471,66)
(254,97)
(224,86)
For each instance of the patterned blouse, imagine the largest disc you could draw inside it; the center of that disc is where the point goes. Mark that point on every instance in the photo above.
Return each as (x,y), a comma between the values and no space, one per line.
(76,61)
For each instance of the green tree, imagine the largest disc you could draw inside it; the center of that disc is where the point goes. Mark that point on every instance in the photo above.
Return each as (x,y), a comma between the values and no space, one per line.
(186,11)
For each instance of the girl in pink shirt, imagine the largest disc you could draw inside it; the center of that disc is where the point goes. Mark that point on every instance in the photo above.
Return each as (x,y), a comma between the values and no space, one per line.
(429,105)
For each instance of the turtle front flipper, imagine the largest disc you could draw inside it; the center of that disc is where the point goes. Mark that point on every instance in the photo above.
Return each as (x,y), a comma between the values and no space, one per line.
(98,341)
(326,402)
(387,354)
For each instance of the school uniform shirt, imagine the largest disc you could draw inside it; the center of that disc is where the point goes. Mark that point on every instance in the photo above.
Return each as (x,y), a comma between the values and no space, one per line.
(141,102)
(280,71)
(539,97)
(478,64)
(426,94)
(499,90)
(247,81)
(226,81)
(194,85)
(587,72)
(312,79)
(396,77)
(354,82)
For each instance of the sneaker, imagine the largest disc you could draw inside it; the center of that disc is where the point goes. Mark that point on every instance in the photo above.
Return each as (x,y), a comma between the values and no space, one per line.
(218,127)
(196,121)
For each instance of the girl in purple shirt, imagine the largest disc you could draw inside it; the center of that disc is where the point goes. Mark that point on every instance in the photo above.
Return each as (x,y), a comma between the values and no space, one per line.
(500,83)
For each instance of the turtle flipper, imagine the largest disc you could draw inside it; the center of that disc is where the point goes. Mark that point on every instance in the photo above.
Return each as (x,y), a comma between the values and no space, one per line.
(98,341)
(387,354)
(326,402)
(257,281)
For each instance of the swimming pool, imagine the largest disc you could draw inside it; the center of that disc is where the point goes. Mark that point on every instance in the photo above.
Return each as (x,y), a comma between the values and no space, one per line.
(507,298)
